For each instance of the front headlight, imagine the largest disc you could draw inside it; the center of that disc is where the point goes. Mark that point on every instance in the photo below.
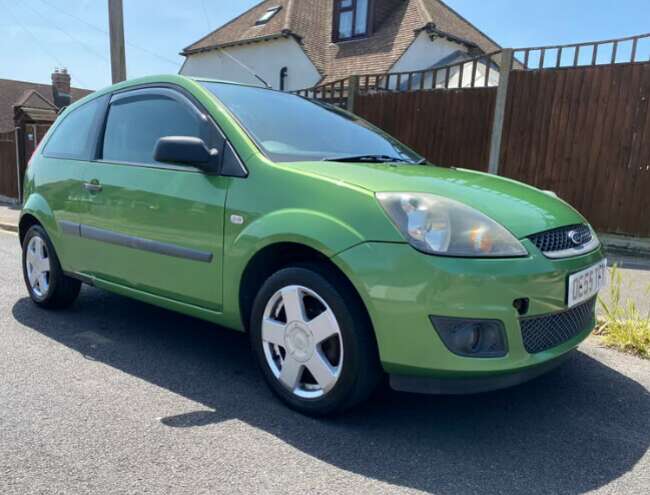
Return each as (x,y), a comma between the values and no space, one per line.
(442,226)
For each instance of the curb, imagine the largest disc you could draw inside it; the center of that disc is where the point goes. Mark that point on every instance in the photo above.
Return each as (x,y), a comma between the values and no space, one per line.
(627,246)
(8,227)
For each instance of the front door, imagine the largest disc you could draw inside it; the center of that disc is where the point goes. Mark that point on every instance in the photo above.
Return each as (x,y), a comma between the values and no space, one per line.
(152,226)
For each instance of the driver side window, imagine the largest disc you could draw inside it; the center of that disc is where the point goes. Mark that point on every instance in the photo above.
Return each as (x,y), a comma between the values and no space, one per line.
(135,123)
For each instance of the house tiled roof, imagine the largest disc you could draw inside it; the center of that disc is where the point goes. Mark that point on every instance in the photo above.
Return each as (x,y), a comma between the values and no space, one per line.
(243,28)
(22,92)
(397,23)
(446,20)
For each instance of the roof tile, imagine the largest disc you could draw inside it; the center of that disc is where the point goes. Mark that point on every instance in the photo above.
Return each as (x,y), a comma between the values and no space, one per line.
(310,21)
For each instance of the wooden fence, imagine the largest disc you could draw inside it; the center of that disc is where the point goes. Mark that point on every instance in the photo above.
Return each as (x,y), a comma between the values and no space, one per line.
(12,171)
(574,119)
(584,133)
(447,127)
(8,169)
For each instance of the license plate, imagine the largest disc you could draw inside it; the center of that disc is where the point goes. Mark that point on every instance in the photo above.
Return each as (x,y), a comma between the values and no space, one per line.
(585,284)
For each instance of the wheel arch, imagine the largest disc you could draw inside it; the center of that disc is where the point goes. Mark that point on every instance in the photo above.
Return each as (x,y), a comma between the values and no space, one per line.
(27,221)
(277,256)
(36,211)
(272,241)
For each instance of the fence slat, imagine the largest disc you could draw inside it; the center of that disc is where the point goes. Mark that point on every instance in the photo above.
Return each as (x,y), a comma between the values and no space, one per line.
(488,65)
(474,73)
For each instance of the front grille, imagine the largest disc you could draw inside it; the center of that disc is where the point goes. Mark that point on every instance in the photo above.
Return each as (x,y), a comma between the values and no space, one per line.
(563,238)
(541,333)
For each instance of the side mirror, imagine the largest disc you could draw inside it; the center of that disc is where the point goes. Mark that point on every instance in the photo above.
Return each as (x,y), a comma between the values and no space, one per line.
(186,150)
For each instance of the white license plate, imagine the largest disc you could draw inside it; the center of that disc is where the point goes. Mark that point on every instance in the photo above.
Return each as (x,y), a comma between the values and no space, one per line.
(585,284)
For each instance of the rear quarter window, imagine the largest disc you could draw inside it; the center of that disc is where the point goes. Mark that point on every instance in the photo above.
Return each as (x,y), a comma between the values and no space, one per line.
(72,138)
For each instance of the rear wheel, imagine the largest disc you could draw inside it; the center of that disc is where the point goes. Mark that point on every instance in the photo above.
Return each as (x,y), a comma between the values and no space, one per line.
(313,343)
(48,286)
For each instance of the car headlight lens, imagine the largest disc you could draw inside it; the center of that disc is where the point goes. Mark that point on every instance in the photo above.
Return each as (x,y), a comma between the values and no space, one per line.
(442,226)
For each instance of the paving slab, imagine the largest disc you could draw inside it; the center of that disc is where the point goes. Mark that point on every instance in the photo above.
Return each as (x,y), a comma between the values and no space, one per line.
(9,216)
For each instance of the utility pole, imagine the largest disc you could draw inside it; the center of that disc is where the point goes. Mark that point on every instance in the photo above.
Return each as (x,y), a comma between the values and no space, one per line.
(116,24)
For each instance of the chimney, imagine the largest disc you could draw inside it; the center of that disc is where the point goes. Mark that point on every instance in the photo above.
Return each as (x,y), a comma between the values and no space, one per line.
(61,88)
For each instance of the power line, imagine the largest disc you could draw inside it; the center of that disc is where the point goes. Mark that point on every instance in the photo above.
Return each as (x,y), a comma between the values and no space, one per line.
(103,31)
(208,21)
(82,43)
(235,59)
(39,44)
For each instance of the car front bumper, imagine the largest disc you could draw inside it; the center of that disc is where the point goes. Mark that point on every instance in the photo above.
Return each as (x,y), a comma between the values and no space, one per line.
(473,384)
(402,288)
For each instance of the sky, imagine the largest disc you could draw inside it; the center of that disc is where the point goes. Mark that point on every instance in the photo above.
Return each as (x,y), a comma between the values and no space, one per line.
(38,35)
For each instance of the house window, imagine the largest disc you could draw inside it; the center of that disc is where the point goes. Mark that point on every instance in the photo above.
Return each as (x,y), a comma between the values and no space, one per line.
(268,15)
(350,19)
(284,72)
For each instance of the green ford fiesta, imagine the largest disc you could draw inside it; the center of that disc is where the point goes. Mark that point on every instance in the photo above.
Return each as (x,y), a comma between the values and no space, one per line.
(343,254)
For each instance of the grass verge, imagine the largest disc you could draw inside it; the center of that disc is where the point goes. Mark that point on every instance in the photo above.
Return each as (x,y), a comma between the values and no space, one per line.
(621,325)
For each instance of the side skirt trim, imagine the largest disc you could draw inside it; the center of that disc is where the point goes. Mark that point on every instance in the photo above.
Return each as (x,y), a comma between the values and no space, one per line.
(85,279)
(115,238)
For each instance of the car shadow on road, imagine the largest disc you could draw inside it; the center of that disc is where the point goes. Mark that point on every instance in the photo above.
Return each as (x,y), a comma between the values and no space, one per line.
(571,431)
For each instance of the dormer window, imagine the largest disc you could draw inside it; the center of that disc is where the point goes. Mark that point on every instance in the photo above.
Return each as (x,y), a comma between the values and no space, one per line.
(350,19)
(268,15)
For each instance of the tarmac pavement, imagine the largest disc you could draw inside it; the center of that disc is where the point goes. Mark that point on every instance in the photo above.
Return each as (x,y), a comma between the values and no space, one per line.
(116,396)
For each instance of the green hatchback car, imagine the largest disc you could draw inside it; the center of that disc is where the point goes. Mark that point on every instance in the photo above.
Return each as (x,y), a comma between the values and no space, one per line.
(344,254)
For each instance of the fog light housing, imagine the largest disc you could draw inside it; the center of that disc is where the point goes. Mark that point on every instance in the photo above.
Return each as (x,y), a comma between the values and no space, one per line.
(472,338)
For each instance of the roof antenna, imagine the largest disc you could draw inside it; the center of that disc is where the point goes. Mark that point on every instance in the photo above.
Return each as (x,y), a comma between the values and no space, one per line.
(247,68)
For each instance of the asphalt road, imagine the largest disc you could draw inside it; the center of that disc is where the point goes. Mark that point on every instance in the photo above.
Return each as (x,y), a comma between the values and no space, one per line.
(115,396)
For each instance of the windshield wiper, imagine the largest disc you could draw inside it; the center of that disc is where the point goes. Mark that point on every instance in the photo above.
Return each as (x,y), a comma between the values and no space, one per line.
(367,159)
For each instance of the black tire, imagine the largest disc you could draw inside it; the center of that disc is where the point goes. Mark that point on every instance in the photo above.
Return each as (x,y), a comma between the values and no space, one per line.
(62,290)
(360,370)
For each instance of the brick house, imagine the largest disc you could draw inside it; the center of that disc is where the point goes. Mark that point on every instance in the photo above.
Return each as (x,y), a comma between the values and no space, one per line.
(27,110)
(41,102)
(296,44)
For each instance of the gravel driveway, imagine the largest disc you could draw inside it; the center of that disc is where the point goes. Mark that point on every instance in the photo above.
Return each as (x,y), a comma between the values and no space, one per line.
(115,396)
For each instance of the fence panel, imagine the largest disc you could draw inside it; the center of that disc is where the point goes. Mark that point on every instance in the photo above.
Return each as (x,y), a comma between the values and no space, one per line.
(448,127)
(584,132)
(8,178)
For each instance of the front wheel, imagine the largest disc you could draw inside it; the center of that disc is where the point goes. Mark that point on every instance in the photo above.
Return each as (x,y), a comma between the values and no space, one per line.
(313,341)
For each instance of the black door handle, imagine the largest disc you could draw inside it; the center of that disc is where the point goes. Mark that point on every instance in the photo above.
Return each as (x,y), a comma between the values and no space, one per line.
(92,187)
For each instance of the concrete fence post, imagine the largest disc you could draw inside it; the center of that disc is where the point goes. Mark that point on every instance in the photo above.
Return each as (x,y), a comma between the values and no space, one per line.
(500,110)
(353,90)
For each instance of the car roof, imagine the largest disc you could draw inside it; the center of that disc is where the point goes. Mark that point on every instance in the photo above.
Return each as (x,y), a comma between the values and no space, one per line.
(176,79)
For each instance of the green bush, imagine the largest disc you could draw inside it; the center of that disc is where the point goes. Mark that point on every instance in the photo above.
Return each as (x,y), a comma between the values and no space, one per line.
(621,325)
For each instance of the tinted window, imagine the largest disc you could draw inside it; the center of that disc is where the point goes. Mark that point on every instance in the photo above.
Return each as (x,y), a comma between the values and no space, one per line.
(291,128)
(71,139)
(134,125)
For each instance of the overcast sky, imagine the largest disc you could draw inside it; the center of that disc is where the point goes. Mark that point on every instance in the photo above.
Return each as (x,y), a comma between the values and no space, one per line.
(38,35)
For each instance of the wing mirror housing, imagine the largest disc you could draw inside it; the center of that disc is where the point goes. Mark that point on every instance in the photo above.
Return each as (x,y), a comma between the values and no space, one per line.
(187,150)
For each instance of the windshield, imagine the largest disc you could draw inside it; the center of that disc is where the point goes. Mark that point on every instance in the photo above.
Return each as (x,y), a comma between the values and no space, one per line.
(290,128)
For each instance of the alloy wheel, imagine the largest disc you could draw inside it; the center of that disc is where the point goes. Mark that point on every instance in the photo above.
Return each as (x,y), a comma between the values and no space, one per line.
(302,342)
(37,262)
